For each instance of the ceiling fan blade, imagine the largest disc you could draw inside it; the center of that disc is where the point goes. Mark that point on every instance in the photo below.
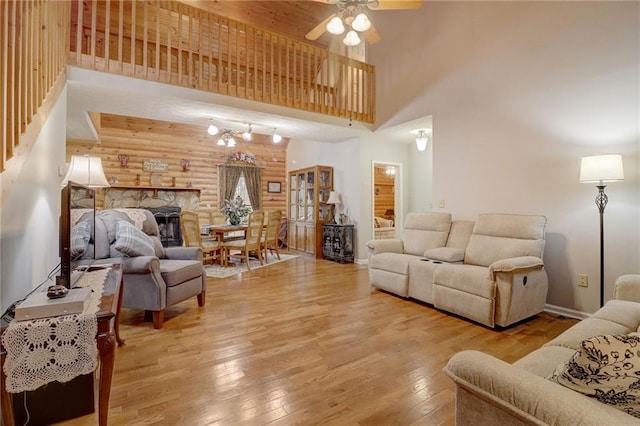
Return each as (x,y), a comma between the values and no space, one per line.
(396,4)
(320,29)
(372,35)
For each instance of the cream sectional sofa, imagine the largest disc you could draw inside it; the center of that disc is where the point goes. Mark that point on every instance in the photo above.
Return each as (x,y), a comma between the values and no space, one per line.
(490,271)
(492,392)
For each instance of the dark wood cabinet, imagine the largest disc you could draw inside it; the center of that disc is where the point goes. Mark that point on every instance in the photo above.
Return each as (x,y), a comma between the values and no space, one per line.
(337,242)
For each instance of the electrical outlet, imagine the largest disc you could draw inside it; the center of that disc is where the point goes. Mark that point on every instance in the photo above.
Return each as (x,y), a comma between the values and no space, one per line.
(441,204)
(583,280)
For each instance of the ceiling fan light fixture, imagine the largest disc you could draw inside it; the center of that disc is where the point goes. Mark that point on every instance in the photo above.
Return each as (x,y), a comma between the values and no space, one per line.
(276,138)
(231,142)
(247,135)
(361,23)
(351,39)
(221,142)
(335,26)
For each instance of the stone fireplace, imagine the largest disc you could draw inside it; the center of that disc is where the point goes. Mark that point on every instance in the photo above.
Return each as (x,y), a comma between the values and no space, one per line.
(168,219)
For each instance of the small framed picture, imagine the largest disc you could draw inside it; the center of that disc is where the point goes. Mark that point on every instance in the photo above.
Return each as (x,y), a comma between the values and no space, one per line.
(274,187)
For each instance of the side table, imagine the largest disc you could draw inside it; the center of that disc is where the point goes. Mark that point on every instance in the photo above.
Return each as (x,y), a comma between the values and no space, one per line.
(337,242)
(108,334)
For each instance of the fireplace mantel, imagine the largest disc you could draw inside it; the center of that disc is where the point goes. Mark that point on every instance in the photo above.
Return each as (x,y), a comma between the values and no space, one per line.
(151,196)
(155,189)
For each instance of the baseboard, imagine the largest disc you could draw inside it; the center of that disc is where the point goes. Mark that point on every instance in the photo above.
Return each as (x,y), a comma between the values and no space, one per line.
(361,261)
(565,312)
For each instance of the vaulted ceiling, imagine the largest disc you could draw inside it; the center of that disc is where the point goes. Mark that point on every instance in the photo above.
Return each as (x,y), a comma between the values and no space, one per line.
(291,18)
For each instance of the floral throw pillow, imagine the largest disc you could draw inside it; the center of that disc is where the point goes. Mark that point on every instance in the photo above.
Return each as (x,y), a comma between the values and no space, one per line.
(606,368)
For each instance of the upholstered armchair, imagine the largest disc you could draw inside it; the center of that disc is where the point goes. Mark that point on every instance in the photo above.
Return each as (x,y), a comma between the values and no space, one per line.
(155,277)
(502,279)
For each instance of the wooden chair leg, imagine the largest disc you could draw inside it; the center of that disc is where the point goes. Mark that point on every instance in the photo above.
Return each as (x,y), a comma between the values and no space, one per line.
(158,319)
(246,257)
(201,299)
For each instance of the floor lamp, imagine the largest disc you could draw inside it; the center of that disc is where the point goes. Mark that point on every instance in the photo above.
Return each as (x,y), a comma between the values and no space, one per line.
(600,169)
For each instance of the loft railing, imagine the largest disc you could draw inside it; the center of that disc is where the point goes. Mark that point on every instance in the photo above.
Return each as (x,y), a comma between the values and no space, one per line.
(167,42)
(33,55)
(174,43)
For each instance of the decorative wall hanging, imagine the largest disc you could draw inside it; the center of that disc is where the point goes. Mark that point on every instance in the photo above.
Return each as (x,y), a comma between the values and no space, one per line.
(245,157)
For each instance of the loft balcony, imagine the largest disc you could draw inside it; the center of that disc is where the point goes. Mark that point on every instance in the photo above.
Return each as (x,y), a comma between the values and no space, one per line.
(168,42)
(173,43)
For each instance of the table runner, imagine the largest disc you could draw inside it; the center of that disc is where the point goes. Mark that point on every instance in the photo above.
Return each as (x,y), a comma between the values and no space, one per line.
(56,348)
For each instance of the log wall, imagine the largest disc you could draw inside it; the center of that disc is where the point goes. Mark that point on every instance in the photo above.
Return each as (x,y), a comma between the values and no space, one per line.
(143,139)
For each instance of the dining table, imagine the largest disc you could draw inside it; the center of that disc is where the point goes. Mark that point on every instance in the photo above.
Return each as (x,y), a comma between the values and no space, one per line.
(221,232)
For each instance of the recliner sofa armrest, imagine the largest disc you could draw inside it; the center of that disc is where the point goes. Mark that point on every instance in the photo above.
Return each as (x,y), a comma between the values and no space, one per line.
(525,396)
(513,264)
(388,245)
(184,253)
(140,264)
(627,287)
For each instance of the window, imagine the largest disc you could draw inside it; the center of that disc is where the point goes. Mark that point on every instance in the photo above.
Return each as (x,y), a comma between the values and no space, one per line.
(241,191)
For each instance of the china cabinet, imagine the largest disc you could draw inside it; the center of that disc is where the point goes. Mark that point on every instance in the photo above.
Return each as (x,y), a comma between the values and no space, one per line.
(308,194)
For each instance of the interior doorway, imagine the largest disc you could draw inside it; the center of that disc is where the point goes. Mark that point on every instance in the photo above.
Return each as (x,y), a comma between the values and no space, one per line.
(386,199)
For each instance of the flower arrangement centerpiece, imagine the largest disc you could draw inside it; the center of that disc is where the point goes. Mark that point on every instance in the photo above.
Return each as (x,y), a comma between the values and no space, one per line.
(236,210)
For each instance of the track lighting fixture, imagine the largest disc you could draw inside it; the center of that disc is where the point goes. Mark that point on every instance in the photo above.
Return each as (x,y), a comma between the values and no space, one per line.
(276,138)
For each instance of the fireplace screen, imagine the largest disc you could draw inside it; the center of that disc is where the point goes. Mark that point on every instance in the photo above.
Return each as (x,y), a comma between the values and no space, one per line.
(168,219)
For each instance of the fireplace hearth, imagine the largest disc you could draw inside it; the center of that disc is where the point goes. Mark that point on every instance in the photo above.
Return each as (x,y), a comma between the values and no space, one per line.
(168,219)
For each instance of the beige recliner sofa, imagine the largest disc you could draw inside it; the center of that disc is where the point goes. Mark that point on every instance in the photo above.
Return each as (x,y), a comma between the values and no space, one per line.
(492,392)
(490,271)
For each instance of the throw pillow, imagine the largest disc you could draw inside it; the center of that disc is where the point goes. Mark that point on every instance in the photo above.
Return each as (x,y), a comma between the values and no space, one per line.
(80,236)
(131,241)
(606,368)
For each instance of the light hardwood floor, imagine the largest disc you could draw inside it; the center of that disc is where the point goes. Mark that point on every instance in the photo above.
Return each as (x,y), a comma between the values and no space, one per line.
(301,342)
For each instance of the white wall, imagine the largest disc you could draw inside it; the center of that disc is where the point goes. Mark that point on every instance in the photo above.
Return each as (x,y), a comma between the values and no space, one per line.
(30,213)
(519,92)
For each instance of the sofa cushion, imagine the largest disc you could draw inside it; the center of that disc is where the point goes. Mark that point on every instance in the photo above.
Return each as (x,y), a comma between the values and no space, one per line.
(466,278)
(175,272)
(391,262)
(131,241)
(543,361)
(445,254)
(424,231)
(622,312)
(592,326)
(502,236)
(606,368)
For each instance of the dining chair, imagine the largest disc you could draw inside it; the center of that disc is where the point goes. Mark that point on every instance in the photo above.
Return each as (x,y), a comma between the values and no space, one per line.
(270,238)
(211,246)
(251,241)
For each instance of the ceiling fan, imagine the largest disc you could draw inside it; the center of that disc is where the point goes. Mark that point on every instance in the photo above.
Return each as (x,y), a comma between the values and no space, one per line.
(353,17)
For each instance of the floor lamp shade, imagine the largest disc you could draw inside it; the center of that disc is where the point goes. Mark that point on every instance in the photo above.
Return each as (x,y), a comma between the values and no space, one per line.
(86,171)
(600,169)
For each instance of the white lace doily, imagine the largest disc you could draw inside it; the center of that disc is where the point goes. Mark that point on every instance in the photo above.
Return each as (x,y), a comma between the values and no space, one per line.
(57,348)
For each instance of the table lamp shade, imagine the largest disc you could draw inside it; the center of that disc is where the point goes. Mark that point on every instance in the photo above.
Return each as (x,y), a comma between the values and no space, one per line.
(86,171)
(601,168)
(334,198)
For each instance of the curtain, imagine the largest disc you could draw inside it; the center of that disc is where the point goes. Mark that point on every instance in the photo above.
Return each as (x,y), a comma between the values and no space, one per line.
(228,177)
(253,179)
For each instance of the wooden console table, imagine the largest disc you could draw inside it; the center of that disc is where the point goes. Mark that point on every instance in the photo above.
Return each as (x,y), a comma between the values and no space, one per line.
(106,338)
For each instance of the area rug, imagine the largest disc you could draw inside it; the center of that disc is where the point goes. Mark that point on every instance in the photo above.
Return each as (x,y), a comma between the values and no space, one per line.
(216,271)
